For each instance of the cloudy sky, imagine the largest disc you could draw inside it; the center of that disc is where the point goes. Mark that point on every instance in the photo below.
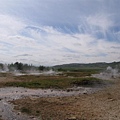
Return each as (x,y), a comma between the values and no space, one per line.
(50,32)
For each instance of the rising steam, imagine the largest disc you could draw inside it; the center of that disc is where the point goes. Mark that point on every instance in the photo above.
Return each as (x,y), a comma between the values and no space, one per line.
(109,73)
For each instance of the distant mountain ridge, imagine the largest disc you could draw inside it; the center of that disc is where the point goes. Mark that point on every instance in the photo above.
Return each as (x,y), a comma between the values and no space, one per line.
(100,65)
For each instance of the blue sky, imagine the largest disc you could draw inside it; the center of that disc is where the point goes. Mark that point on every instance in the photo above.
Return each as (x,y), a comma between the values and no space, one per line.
(51,32)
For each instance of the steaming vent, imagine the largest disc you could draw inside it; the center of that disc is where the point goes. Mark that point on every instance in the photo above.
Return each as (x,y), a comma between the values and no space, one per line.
(109,73)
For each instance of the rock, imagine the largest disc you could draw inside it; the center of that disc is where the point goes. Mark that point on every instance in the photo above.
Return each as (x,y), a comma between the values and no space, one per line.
(72,118)
(85,93)
(19,113)
(32,117)
(32,98)
(111,99)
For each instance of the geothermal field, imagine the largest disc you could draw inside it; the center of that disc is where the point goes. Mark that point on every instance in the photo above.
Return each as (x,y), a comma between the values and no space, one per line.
(59,59)
(60,94)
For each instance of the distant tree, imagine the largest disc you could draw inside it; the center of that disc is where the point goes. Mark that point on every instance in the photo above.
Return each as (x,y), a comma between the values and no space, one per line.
(60,69)
(1,66)
(19,66)
(41,68)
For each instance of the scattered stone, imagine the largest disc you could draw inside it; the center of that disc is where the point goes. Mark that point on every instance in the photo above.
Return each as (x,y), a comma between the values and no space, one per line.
(85,93)
(69,90)
(72,118)
(45,91)
(32,98)
(51,90)
(111,99)
(18,113)
(32,117)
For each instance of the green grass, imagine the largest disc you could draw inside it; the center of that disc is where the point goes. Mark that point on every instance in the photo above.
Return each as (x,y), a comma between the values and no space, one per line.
(64,80)
(89,82)
(81,72)
(53,82)
(77,74)
(80,69)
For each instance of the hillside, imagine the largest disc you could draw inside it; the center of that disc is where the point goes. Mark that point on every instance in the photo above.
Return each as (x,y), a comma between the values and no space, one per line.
(77,66)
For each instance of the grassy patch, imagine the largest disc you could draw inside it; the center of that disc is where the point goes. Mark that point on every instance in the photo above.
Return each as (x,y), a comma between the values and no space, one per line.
(62,81)
(53,82)
(81,72)
(77,74)
(40,84)
(89,82)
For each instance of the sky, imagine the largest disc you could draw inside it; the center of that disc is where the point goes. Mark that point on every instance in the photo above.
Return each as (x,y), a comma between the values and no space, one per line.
(51,32)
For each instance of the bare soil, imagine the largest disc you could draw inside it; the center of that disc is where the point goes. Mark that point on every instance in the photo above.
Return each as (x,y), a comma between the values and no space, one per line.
(6,77)
(102,105)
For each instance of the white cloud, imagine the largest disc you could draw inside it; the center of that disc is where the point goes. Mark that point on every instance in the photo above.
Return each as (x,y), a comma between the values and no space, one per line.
(9,25)
(101,20)
(64,48)
(47,45)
